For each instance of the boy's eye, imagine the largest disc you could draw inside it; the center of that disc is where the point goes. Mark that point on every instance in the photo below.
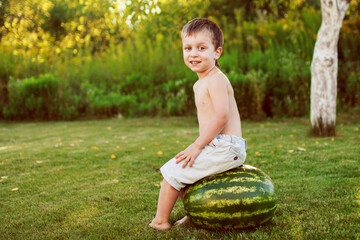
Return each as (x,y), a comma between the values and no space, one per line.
(202,48)
(187,48)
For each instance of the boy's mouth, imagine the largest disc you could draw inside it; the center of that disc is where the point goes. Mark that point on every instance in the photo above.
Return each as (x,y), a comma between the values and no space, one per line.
(195,62)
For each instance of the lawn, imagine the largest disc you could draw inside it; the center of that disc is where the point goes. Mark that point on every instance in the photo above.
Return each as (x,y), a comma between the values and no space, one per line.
(100,179)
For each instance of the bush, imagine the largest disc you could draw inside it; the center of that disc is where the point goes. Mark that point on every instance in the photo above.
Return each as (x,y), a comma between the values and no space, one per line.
(248,91)
(287,90)
(34,98)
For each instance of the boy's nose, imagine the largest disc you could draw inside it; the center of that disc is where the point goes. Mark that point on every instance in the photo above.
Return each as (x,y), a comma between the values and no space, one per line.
(194,53)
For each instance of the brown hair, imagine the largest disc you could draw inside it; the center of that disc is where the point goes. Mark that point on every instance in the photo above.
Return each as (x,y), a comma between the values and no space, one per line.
(199,24)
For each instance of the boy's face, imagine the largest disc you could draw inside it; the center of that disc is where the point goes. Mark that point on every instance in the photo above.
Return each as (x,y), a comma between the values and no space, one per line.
(199,52)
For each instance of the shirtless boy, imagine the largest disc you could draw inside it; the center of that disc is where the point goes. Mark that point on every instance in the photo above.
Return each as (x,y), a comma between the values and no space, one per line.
(220,145)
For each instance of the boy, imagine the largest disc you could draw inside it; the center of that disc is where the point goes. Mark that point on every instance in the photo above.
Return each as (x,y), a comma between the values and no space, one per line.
(220,145)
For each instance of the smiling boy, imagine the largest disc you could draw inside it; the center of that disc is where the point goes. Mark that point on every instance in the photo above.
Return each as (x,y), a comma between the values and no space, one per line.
(220,146)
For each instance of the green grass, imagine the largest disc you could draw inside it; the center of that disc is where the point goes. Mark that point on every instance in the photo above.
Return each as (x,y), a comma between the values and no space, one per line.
(69,187)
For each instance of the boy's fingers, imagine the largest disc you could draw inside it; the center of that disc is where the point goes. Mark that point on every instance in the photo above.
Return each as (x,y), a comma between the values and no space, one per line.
(180,158)
(186,162)
(179,154)
(191,162)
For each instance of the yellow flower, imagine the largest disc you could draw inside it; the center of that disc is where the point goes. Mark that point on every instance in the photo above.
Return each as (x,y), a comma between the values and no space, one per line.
(159,153)
(94,148)
(258,154)
(113,156)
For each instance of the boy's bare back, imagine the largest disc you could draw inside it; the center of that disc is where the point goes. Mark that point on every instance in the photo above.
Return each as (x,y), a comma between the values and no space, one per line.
(214,95)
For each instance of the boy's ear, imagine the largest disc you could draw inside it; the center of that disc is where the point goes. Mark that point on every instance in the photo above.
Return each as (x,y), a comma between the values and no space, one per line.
(218,52)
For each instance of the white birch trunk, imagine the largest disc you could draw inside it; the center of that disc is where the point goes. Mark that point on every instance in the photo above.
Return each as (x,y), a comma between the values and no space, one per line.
(324,67)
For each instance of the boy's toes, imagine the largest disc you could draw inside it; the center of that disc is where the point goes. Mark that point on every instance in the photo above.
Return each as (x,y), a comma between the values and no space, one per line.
(159,227)
(182,221)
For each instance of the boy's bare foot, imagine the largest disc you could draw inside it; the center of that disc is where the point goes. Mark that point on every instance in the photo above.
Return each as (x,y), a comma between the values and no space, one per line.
(182,221)
(159,226)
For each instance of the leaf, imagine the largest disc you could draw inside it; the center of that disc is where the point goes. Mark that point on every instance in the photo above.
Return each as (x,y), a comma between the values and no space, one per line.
(109,128)
(14,189)
(94,148)
(118,147)
(4,177)
(258,154)
(6,148)
(112,156)
(39,162)
(280,146)
(356,129)
(116,181)
(290,151)
(301,149)
(159,153)
(58,170)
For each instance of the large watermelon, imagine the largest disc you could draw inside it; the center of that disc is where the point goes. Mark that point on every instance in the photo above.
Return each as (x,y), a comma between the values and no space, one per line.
(239,198)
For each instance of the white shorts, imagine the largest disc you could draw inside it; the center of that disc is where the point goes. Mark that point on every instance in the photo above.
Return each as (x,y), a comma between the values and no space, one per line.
(223,153)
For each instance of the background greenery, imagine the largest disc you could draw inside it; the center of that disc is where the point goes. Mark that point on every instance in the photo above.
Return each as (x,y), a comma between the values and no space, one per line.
(62,59)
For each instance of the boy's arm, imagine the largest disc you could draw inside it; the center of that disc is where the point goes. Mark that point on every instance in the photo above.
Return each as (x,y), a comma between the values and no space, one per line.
(219,97)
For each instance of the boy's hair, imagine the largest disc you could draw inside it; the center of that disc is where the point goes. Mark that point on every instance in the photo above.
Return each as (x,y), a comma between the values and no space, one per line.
(199,24)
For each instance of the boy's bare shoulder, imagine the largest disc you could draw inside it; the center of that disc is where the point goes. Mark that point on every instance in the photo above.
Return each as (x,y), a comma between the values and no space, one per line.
(218,79)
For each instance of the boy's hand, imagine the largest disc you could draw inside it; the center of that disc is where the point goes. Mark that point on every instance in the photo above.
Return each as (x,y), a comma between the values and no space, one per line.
(188,155)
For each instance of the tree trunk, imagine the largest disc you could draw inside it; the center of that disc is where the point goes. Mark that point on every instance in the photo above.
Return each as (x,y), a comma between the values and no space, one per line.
(324,68)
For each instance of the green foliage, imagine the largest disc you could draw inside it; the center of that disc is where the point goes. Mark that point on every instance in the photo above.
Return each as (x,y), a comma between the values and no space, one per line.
(33,98)
(42,98)
(249,93)
(127,58)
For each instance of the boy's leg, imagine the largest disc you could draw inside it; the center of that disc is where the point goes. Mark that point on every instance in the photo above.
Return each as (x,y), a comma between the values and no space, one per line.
(185,219)
(167,198)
